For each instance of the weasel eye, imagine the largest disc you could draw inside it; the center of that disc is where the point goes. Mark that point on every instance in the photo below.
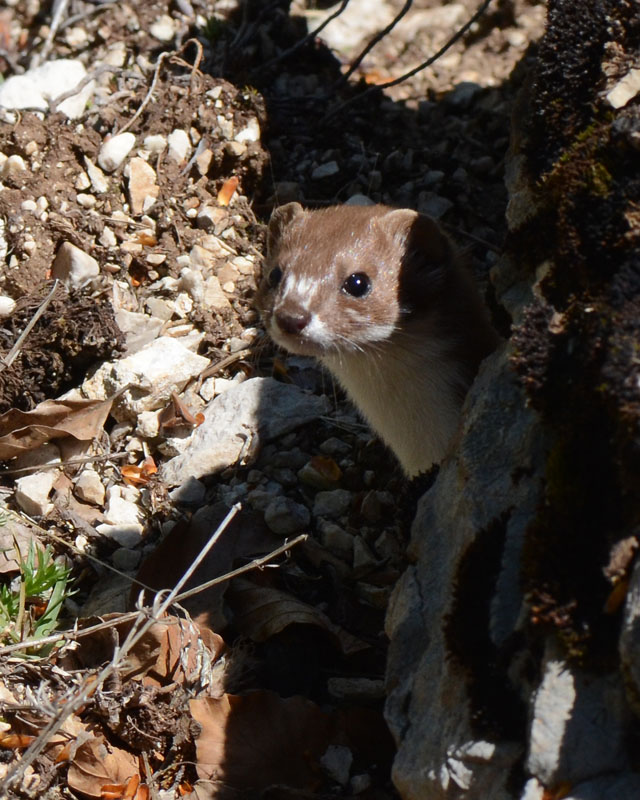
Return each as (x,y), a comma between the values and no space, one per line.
(357,285)
(274,277)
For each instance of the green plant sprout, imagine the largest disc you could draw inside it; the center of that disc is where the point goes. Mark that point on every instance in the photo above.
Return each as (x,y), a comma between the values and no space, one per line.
(31,604)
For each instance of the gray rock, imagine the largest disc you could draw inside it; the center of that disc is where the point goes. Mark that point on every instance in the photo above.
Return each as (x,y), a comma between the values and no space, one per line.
(337,763)
(32,492)
(191,493)
(238,421)
(332,504)
(125,559)
(284,516)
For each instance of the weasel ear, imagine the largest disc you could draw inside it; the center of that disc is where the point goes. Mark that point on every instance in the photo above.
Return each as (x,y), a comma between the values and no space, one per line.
(424,242)
(280,218)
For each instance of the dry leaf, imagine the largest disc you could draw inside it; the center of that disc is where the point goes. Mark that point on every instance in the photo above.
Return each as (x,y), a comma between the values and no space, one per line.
(261,612)
(139,475)
(21,431)
(227,191)
(260,739)
(177,413)
(97,765)
(15,741)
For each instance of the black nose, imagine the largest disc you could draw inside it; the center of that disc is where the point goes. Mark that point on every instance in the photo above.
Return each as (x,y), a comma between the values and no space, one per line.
(292,322)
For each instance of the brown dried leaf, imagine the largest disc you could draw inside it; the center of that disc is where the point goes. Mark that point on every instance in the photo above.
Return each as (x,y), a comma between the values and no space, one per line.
(98,764)
(21,431)
(260,739)
(227,191)
(261,612)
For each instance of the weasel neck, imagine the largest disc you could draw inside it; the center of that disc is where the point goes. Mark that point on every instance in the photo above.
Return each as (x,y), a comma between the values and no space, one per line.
(409,390)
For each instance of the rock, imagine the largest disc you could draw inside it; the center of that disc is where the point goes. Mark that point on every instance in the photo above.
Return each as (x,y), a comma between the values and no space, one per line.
(139,329)
(114,151)
(73,266)
(37,87)
(356,689)
(249,134)
(332,504)
(142,187)
(99,183)
(191,493)
(32,492)
(336,762)
(12,167)
(163,28)
(433,204)
(285,517)
(125,535)
(121,510)
(7,306)
(89,487)
(335,538)
(325,170)
(161,367)
(179,145)
(155,144)
(625,89)
(125,559)
(238,421)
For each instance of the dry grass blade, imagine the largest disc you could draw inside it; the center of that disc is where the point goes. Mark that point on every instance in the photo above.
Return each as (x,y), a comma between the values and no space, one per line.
(11,355)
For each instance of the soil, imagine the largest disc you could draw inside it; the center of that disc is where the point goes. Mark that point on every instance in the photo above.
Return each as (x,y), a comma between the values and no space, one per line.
(435,142)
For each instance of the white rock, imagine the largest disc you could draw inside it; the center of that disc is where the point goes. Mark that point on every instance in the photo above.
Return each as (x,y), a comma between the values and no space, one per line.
(139,329)
(625,89)
(122,512)
(249,413)
(32,492)
(249,134)
(124,535)
(73,266)
(97,177)
(7,306)
(13,166)
(325,170)
(161,367)
(155,144)
(143,189)
(36,87)
(114,151)
(160,308)
(191,281)
(164,28)
(89,487)
(81,183)
(86,200)
(148,424)
(107,238)
(179,145)
(214,297)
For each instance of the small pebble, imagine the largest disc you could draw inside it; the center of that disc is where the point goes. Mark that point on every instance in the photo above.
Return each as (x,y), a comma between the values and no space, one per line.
(114,151)
(284,516)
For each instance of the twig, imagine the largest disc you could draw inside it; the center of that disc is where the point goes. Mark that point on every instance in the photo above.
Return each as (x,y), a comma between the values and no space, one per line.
(156,74)
(59,7)
(370,45)
(100,626)
(69,462)
(89,13)
(456,36)
(310,36)
(11,355)
(53,105)
(69,703)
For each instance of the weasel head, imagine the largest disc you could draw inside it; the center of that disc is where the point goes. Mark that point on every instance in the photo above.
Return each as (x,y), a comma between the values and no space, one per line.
(347,278)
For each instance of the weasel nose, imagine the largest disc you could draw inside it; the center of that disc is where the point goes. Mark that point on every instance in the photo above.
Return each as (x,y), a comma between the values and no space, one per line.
(292,322)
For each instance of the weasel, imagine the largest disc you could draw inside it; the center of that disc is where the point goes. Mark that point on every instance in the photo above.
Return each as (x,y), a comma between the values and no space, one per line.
(381,298)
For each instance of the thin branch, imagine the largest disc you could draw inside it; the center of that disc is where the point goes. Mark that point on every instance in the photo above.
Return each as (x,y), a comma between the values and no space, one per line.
(59,8)
(11,355)
(53,105)
(156,73)
(309,37)
(456,36)
(73,636)
(377,38)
